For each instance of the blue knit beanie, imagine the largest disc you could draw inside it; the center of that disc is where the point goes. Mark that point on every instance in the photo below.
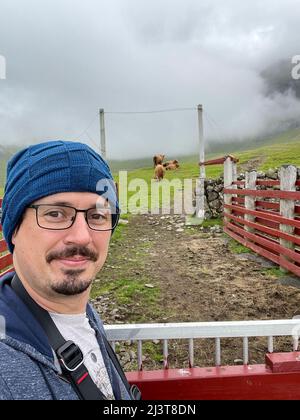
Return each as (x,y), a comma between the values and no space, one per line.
(50,168)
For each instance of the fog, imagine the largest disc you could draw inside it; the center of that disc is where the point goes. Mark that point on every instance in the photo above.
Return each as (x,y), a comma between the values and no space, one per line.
(65,59)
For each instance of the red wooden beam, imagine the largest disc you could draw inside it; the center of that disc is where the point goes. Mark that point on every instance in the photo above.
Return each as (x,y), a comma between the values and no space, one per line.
(232,230)
(240,200)
(254,382)
(3,246)
(9,270)
(218,161)
(293,268)
(6,261)
(272,245)
(244,241)
(265,182)
(268,182)
(241,210)
(287,195)
(268,223)
(272,216)
(269,231)
(267,204)
(283,362)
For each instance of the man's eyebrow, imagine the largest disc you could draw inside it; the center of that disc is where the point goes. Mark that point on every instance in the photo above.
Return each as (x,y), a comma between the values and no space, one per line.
(67,203)
(58,203)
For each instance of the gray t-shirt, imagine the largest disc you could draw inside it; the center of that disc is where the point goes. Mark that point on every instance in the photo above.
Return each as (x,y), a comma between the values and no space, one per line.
(77,329)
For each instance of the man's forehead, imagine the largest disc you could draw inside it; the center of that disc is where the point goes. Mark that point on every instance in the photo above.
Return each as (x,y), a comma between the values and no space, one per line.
(75,199)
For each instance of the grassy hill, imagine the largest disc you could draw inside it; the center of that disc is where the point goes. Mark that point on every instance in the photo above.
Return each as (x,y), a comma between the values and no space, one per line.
(265,153)
(285,149)
(271,147)
(273,153)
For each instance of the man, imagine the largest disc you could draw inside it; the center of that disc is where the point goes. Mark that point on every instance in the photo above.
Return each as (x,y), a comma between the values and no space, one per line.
(58,213)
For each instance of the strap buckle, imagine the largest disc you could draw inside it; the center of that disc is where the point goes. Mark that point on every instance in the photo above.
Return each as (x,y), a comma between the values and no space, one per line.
(70,356)
(135,393)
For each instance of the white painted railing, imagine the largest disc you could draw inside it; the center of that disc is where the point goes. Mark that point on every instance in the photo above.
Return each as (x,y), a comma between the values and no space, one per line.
(193,330)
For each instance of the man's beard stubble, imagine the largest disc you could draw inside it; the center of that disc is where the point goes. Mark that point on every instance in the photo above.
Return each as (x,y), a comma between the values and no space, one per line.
(71,284)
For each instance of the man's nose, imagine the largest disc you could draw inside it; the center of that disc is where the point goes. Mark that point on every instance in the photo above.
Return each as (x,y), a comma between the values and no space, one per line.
(79,232)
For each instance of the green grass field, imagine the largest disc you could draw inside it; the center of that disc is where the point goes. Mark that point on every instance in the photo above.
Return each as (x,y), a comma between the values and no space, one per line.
(286,149)
(237,148)
(275,151)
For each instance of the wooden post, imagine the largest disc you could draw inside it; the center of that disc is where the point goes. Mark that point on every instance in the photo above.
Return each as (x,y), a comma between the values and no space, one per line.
(250,184)
(102,134)
(228,180)
(234,175)
(288,177)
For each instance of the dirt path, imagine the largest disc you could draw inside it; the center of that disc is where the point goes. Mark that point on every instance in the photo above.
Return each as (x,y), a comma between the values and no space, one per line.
(182,274)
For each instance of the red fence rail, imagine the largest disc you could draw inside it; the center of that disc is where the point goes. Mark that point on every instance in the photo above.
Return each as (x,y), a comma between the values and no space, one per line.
(5,257)
(278,379)
(264,215)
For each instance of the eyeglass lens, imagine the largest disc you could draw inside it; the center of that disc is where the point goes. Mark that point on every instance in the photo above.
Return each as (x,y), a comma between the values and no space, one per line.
(62,217)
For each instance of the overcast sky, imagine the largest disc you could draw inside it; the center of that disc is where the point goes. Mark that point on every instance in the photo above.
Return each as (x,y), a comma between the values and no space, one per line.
(67,58)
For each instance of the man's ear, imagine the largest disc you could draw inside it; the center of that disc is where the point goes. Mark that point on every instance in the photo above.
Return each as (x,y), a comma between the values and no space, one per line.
(16,230)
(14,236)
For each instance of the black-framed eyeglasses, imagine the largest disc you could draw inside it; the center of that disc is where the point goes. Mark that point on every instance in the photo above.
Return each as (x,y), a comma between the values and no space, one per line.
(60,217)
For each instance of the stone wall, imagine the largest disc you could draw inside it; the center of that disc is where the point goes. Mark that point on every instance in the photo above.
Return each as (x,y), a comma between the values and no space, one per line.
(214,198)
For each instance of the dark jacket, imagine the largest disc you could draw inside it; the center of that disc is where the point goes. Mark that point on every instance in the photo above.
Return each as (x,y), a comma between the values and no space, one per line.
(27,369)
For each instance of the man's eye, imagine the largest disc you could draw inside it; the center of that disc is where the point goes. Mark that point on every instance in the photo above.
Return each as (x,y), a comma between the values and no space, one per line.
(97,216)
(54,214)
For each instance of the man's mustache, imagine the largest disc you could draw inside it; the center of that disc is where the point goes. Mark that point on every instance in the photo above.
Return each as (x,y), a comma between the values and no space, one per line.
(71,252)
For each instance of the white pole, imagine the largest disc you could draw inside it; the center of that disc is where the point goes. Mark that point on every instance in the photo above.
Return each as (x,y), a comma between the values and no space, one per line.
(228,180)
(288,178)
(200,192)
(102,134)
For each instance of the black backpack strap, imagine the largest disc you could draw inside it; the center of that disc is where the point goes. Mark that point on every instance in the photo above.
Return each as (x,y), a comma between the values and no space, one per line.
(68,353)
(133,390)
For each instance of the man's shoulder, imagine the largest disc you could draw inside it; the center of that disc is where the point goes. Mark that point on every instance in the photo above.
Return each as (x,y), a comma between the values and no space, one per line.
(26,378)
(9,355)
(13,363)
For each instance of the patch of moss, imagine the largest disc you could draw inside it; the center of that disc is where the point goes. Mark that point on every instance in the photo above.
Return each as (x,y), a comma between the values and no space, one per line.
(237,248)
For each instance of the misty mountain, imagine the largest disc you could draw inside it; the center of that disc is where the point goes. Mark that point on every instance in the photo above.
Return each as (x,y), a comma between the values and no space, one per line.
(278,78)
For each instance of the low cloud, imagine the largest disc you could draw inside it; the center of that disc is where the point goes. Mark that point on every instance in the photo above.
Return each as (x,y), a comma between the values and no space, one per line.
(68,58)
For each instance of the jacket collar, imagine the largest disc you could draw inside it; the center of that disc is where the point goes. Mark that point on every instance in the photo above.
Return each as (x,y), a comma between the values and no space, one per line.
(20,324)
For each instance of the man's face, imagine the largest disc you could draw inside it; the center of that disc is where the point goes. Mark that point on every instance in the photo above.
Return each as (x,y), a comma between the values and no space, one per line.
(61,262)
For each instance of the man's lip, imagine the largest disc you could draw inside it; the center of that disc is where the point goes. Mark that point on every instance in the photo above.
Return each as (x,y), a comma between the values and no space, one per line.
(73,261)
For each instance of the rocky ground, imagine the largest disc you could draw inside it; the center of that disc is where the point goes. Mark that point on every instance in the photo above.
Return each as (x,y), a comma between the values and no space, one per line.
(159,270)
